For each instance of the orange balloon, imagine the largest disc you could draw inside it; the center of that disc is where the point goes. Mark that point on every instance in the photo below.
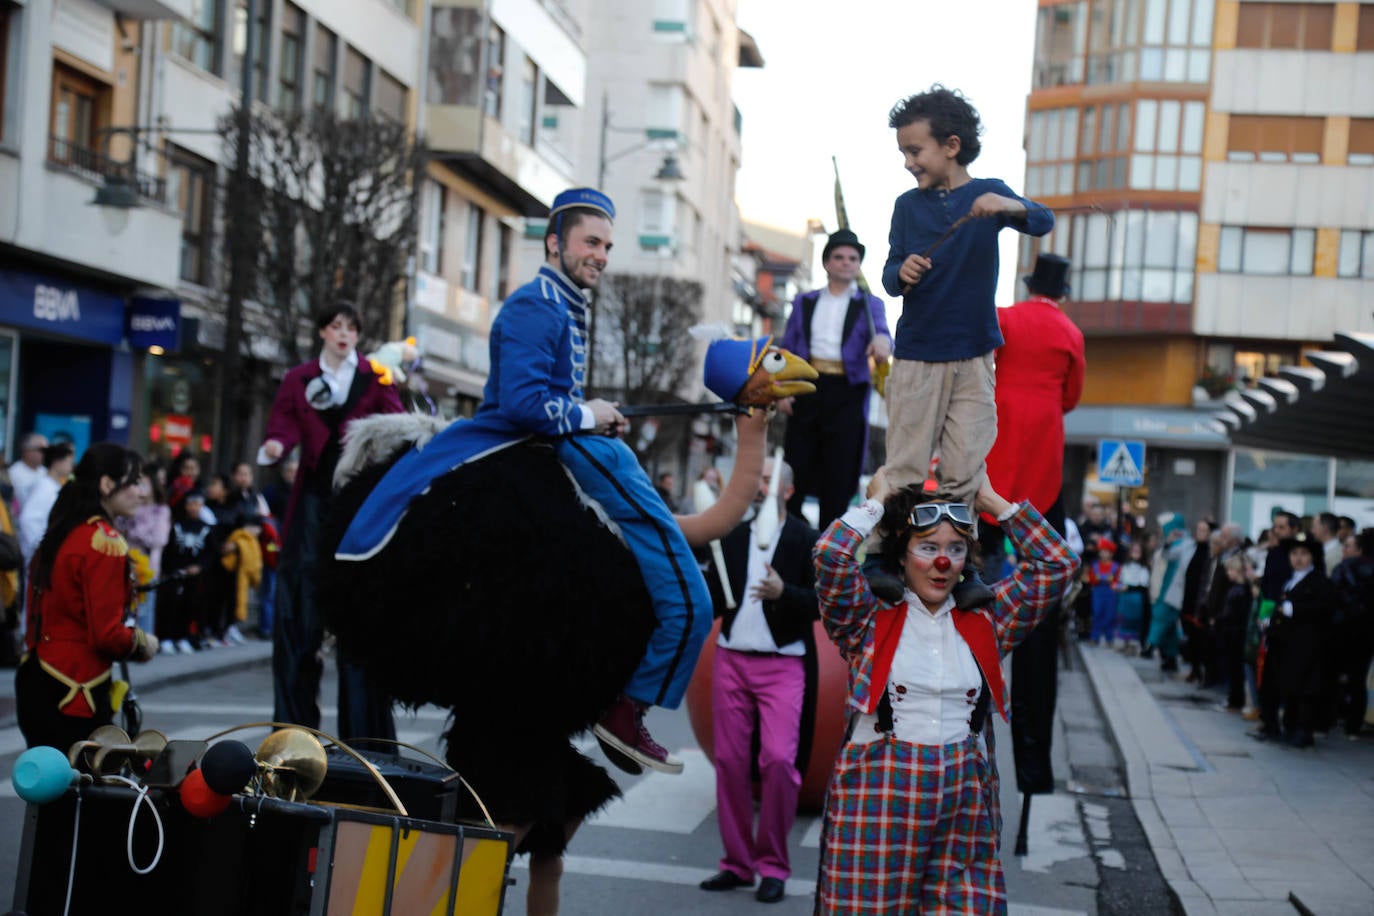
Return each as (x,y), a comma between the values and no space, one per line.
(832,682)
(199,799)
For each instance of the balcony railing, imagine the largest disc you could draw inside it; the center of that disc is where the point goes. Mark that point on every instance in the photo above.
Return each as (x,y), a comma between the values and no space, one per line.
(64,153)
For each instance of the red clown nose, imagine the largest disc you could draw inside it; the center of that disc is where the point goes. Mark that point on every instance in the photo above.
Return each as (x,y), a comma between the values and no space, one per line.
(942,563)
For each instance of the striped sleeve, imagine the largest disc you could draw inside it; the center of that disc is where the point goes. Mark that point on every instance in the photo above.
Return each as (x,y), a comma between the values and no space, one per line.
(847,603)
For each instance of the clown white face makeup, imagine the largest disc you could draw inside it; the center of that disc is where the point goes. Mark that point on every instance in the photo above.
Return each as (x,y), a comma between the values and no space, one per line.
(933,563)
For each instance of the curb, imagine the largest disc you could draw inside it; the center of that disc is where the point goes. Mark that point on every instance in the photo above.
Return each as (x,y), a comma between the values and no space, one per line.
(1122,723)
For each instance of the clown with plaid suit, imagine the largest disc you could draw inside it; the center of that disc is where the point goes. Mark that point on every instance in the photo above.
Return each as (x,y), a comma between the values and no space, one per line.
(912,821)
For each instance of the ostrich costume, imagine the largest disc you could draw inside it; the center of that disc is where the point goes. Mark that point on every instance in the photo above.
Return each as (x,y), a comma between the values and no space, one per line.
(503,591)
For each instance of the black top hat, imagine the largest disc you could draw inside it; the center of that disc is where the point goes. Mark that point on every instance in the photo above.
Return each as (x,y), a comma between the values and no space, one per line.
(841,238)
(1050,277)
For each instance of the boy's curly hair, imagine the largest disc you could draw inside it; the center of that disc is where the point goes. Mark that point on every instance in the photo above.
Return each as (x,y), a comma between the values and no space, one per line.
(895,525)
(948,113)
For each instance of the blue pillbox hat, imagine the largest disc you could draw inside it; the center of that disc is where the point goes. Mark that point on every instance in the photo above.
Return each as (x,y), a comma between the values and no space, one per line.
(730,362)
(590,198)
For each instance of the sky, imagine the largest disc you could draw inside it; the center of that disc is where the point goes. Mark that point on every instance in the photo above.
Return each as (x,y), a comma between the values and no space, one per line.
(831,73)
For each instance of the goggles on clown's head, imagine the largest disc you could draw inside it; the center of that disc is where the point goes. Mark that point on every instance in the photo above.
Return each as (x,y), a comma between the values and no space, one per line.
(925,516)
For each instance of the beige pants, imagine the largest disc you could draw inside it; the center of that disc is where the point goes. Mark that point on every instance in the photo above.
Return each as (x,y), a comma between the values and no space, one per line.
(944,409)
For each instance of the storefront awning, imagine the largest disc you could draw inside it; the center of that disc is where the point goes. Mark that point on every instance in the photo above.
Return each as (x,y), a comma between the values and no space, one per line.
(1323,409)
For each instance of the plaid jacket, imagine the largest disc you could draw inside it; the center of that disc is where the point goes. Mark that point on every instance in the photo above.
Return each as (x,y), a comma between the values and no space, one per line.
(848,605)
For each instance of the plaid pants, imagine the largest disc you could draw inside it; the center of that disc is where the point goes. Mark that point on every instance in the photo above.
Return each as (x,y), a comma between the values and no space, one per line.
(912,828)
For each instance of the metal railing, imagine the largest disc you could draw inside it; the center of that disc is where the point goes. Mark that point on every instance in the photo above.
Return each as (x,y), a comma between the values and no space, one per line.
(63,152)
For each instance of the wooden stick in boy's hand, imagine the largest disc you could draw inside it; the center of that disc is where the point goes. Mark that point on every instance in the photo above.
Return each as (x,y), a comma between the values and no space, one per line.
(917,264)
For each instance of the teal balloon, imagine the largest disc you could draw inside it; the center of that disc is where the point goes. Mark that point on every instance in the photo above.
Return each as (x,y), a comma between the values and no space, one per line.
(42,774)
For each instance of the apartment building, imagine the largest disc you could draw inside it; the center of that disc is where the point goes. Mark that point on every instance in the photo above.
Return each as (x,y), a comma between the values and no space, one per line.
(1213,158)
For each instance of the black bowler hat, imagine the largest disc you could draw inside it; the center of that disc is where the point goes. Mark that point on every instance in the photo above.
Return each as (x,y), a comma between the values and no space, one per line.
(840,239)
(1050,277)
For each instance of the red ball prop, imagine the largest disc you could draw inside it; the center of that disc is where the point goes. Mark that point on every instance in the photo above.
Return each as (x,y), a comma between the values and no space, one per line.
(832,684)
(199,799)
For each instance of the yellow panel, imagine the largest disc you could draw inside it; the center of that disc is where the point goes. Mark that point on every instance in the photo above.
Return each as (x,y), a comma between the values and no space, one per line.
(1336,140)
(483,877)
(1345,28)
(1327,254)
(1215,138)
(1208,241)
(361,859)
(372,884)
(1140,370)
(1224,29)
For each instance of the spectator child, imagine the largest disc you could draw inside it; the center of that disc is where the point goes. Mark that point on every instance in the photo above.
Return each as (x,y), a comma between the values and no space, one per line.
(241,557)
(181,597)
(1133,597)
(1104,579)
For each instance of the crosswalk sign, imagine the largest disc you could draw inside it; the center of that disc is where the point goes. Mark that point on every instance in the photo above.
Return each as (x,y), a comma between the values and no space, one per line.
(1121,462)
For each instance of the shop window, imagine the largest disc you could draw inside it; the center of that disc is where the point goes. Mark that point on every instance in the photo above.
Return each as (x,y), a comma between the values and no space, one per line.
(197,38)
(1268,252)
(190,188)
(1306,26)
(1258,138)
(1361,150)
(357,78)
(391,97)
(326,50)
(80,107)
(289,60)
(1356,258)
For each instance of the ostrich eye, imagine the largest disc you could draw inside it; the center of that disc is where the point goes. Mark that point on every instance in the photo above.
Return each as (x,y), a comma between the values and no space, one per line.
(773,361)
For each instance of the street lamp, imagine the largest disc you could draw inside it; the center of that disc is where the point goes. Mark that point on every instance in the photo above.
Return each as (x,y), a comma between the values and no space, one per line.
(669,171)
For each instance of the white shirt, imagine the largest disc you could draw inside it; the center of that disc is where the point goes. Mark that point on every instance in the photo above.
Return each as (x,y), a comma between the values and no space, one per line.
(827,322)
(934,682)
(1286,609)
(1332,553)
(341,379)
(1134,575)
(749,632)
(33,518)
(22,478)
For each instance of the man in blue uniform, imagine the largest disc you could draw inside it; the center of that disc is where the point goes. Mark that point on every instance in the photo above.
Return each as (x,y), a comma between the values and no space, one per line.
(538,365)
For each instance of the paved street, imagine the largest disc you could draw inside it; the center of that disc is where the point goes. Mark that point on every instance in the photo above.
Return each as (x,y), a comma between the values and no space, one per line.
(647,852)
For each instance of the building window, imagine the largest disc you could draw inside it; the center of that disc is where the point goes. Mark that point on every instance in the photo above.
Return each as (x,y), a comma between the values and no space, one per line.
(289,77)
(1307,26)
(1167,153)
(433,215)
(79,108)
(1120,41)
(455,55)
(1269,252)
(471,277)
(190,186)
(529,100)
(391,97)
(322,86)
(500,286)
(1255,138)
(1104,145)
(5,10)
(1364,36)
(496,63)
(261,46)
(1050,152)
(675,18)
(1060,38)
(356,79)
(1361,149)
(1356,257)
(197,38)
(1132,255)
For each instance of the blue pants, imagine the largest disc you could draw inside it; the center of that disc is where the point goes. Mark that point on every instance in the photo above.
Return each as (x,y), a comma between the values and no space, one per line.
(1104,612)
(267,600)
(608,472)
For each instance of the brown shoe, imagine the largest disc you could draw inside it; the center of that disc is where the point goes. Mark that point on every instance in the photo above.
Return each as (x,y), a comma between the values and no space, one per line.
(622,729)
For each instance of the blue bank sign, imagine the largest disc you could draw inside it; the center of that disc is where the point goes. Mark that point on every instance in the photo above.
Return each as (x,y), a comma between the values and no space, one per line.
(155,323)
(58,306)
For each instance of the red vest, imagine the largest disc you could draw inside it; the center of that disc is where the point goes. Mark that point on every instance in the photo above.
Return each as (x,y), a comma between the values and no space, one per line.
(975,628)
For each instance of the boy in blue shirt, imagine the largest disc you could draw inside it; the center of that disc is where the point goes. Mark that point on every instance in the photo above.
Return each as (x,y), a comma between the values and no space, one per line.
(940,392)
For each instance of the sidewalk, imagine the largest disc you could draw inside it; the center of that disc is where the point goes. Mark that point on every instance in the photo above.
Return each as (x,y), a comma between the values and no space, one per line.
(1239,826)
(164,670)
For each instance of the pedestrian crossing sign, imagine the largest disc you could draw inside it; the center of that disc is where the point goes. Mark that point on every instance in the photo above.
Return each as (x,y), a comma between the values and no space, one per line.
(1121,462)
